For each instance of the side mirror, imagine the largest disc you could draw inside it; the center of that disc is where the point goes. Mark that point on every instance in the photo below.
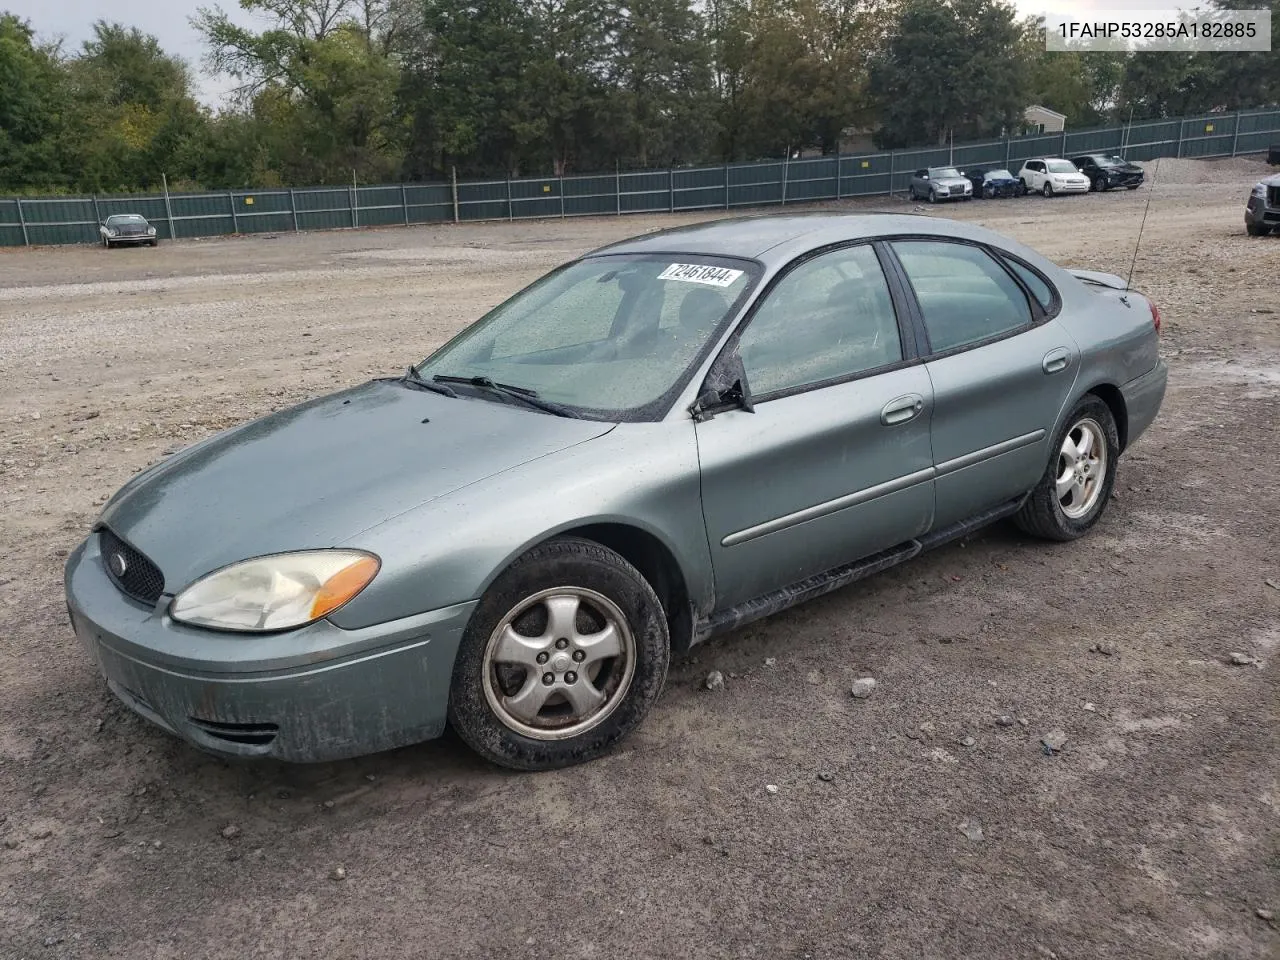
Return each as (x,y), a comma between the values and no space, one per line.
(725,385)
(924,176)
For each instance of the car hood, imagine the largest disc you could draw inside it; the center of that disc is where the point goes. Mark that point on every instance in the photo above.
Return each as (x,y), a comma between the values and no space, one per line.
(1271,181)
(317,474)
(951,181)
(1125,167)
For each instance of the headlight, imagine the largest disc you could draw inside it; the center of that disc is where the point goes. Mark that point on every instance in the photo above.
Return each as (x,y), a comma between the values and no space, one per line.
(151,231)
(111,231)
(276,593)
(1260,191)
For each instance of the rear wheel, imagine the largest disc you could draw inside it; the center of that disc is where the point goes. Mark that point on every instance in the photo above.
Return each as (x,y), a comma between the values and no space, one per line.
(1023,189)
(1075,488)
(564,655)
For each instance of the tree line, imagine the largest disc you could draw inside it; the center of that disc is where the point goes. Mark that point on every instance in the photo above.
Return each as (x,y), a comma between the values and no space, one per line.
(408,89)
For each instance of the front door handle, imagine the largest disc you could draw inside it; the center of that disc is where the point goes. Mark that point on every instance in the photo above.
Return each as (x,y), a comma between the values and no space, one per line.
(1056,360)
(902,409)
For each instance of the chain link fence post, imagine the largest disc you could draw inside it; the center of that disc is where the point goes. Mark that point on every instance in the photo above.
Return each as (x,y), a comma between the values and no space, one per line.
(235,221)
(22,219)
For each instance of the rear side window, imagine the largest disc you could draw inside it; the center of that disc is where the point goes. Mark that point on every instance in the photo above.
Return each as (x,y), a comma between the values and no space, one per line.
(965,296)
(1035,283)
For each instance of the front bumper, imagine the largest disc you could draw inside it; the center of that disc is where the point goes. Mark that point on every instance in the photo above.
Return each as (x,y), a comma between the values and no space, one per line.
(316,693)
(1070,187)
(1142,399)
(1257,212)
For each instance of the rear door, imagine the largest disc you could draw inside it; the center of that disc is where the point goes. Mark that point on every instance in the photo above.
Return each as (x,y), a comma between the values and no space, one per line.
(834,464)
(1000,366)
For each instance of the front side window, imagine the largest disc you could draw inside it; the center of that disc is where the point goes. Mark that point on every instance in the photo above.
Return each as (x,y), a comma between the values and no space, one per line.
(965,296)
(609,336)
(831,317)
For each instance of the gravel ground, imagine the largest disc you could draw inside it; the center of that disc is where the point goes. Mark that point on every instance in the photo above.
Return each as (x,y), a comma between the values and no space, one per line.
(777,817)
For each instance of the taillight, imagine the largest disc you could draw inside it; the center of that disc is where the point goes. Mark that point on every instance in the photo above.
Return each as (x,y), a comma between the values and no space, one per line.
(1155,316)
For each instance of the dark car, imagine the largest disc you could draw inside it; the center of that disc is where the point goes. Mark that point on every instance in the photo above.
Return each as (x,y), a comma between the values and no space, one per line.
(120,228)
(1107,170)
(1262,211)
(989,182)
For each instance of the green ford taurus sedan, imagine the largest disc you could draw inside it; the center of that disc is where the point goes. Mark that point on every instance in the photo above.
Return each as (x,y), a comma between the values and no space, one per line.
(665,439)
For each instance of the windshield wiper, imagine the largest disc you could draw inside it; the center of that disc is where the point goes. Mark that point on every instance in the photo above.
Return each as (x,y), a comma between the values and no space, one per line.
(523,394)
(413,378)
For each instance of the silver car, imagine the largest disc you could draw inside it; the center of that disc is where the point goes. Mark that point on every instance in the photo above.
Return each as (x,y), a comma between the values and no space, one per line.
(940,183)
(666,439)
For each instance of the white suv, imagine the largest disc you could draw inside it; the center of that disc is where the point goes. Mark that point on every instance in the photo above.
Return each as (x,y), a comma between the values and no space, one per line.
(1052,175)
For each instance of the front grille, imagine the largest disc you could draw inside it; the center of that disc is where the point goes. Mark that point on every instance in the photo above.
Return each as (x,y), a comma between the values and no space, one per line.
(129,570)
(1273,196)
(244,734)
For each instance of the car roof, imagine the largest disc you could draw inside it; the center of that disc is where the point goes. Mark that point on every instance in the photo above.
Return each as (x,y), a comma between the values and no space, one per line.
(774,239)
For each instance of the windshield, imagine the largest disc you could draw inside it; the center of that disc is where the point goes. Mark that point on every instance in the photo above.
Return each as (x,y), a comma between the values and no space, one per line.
(126,218)
(938,173)
(999,175)
(611,336)
(1061,166)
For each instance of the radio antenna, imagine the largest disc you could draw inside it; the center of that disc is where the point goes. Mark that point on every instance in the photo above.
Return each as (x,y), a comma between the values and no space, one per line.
(1128,283)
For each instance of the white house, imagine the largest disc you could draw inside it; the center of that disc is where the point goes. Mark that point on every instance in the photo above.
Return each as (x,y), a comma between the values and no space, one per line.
(1043,120)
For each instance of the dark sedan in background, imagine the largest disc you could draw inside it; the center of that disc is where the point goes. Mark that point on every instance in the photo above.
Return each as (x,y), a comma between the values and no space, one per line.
(124,228)
(1106,171)
(990,182)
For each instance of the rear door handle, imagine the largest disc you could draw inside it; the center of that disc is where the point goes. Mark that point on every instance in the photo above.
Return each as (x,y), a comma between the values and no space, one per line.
(1056,360)
(901,409)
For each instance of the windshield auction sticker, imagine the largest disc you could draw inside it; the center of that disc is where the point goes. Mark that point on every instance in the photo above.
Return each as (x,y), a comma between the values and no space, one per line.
(700,273)
(1155,31)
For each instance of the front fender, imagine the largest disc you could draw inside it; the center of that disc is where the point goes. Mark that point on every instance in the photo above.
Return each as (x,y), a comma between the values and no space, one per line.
(642,475)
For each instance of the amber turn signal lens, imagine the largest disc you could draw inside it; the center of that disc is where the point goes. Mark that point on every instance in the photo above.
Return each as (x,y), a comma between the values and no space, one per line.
(343,585)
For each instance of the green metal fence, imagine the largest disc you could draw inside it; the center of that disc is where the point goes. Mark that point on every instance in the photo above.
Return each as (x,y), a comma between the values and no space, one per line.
(51,220)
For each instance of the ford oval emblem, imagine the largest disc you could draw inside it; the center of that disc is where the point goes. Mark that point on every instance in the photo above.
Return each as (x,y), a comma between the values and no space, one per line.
(118,563)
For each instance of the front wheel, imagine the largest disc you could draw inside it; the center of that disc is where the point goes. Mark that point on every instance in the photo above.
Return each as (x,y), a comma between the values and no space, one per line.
(1048,190)
(1075,488)
(564,655)
(933,197)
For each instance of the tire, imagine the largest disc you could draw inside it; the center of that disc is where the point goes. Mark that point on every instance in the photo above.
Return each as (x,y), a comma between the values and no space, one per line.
(933,197)
(1044,513)
(1132,186)
(1048,190)
(595,589)
(911,192)
(153,243)
(1023,190)
(1256,229)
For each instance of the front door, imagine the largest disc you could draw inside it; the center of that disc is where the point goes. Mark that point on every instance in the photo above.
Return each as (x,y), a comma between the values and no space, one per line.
(835,462)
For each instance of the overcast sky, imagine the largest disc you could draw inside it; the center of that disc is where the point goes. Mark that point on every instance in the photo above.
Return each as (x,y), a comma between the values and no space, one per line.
(169,20)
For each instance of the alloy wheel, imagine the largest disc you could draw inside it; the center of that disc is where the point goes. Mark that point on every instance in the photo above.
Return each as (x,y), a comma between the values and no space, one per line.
(559,663)
(1082,468)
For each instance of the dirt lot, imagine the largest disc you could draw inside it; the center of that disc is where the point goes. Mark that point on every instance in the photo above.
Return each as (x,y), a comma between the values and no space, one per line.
(1155,833)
